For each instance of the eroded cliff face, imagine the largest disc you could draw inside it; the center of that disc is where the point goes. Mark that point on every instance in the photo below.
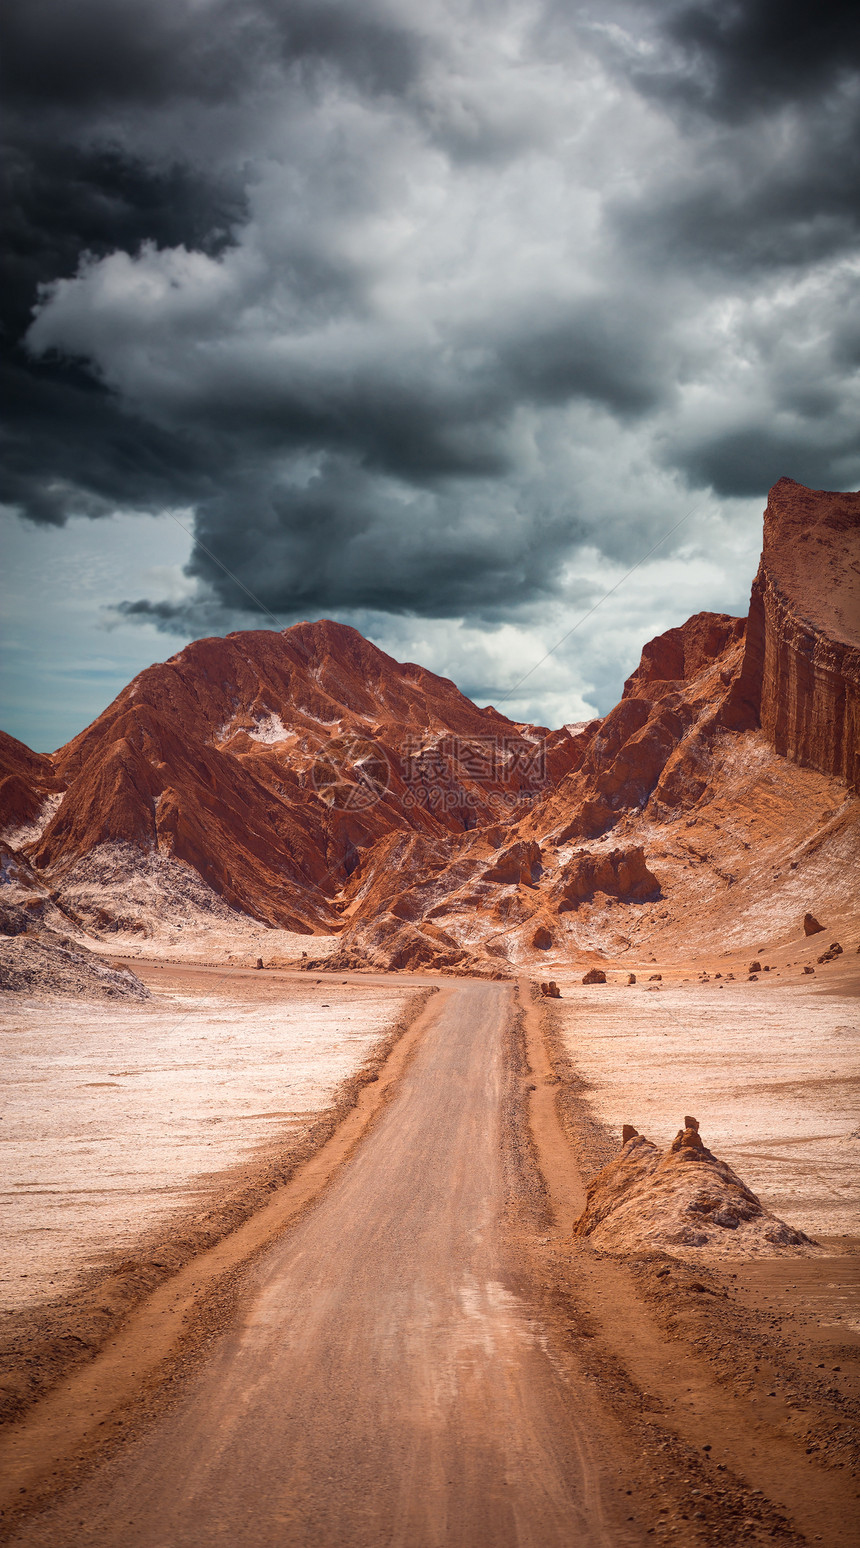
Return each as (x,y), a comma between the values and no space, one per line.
(800,678)
(652,752)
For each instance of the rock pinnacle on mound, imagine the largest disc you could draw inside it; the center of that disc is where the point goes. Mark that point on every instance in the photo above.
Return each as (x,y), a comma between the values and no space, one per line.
(681,1198)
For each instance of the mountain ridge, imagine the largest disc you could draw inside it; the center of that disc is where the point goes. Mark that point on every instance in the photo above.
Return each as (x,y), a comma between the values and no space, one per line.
(315,784)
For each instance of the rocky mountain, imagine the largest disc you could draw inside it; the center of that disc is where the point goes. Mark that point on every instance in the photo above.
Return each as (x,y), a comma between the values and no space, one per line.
(267,763)
(312,782)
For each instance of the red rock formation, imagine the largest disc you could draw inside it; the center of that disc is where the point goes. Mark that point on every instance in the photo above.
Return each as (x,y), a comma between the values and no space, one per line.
(684,1197)
(26,778)
(679,655)
(801,671)
(618,873)
(271,762)
(651,752)
(315,783)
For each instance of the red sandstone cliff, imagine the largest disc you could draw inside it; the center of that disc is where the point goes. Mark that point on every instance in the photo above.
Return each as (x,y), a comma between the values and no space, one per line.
(801,671)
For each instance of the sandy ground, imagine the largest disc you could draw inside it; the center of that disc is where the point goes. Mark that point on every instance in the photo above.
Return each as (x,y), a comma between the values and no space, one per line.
(408,1346)
(237,942)
(116,1116)
(380,1381)
(770,1069)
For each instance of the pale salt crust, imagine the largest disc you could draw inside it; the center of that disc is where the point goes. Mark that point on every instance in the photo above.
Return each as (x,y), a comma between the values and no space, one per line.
(270,729)
(114,1117)
(770,1073)
(204,943)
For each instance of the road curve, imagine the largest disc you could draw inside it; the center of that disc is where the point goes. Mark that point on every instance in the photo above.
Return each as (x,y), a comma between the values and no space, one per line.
(381,1384)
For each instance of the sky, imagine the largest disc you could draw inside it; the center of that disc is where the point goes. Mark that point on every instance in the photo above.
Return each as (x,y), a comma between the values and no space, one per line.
(435,318)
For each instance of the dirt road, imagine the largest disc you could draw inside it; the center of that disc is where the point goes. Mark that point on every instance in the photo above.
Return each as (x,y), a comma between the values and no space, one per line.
(382,1384)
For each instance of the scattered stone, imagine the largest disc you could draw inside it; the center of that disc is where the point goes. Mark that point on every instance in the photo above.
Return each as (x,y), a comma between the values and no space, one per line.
(755,967)
(811,925)
(631,977)
(258,963)
(753,978)
(550,990)
(832,953)
(809,969)
(656,978)
(594,976)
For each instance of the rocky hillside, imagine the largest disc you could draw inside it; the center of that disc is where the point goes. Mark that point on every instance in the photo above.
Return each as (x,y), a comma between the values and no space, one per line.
(267,763)
(309,780)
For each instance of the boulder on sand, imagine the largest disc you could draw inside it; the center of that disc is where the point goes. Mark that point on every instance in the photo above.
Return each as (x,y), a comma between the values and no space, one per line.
(594,976)
(811,925)
(680,1198)
(550,990)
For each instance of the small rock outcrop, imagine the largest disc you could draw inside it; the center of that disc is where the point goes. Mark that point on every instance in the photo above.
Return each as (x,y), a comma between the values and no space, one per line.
(550,990)
(811,925)
(622,873)
(594,976)
(677,1199)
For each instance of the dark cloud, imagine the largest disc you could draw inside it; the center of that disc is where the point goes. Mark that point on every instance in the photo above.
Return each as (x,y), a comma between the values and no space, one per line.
(735,59)
(97,54)
(744,459)
(69,446)
(746,209)
(604,349)
(345,542)
(405,305)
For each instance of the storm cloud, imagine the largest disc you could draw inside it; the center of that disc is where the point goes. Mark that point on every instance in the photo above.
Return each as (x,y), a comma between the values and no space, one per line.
(407,306)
